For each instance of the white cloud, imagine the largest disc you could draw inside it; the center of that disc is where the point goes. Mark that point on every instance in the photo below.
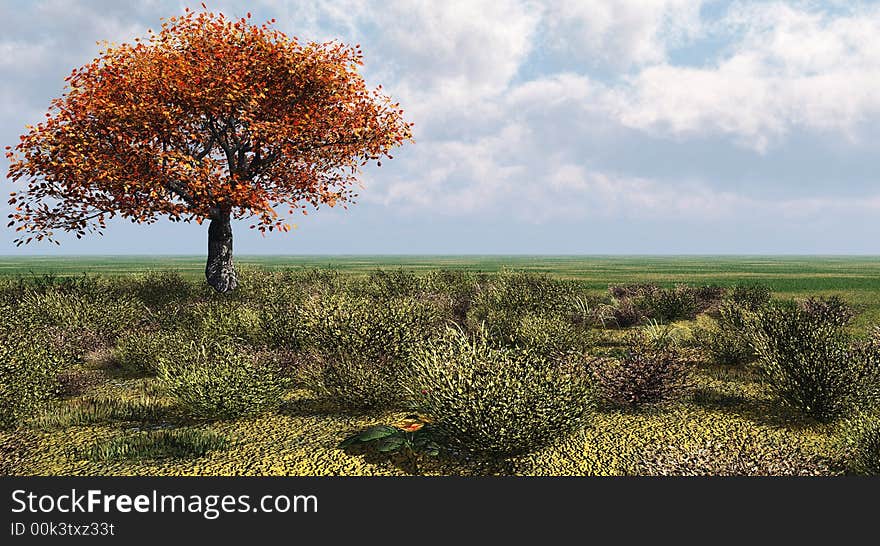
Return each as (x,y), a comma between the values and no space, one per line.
(622,32)
(793,69)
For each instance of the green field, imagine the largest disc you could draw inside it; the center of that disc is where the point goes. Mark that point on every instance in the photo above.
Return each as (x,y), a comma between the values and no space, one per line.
(856,278)
(122,374)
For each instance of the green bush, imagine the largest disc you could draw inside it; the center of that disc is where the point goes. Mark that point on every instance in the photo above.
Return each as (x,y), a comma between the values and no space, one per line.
(85,321)
(727,340)
(354,381)
(518,293)
(367,328)
(157,288)
(811,364)
(28,375)
(861,442)
(142,351)
(670,304)
(496,401)
(217,318)
(647,373)
(751,297)
(215,378)
(549,335)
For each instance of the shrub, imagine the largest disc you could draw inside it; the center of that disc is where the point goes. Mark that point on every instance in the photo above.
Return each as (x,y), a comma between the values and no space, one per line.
(367,328)
(587,311)
(353,380)
(645,374)
(28,371)
(520,293)
(727,340)
(218,318)
(861,442)
(832,310)
(496,401)
(751,297)
(632,290)
(810,363)
(157,288)
(217,379)
(670,304)
(142,351)
(85,321)
(156,444)
(625,313)
(458,287)
(549,335)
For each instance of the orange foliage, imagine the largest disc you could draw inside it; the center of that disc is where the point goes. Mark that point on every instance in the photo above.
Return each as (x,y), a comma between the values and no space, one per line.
(209,116)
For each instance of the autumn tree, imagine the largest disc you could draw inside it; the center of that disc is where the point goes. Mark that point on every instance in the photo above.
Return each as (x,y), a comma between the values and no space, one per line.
(209,118)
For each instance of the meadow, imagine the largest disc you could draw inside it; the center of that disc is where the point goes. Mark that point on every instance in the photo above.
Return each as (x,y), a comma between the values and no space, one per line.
(467,365)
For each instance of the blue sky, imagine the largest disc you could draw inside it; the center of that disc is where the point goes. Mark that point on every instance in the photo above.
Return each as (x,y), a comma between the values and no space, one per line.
(557,127)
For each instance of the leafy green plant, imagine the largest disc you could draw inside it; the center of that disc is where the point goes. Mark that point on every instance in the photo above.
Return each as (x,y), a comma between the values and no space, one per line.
(413,437)
(215,378)
(156,444)
(496,401)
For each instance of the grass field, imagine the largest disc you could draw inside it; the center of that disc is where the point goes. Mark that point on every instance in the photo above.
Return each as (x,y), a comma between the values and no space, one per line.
(127,394)
(856,278)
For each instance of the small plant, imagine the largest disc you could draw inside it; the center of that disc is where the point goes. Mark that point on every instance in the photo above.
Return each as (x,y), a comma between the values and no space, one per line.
(586,312)
(663,336)
(645,374)
(549,335)
(670,304)
(496,401)
(861,442)
(156,444)
(413,437)
(216,379)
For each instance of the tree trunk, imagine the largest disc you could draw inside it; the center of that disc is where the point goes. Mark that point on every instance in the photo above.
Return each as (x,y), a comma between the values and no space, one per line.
(220,271)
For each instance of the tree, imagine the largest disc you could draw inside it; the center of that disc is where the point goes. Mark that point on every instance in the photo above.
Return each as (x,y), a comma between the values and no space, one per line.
(208,119)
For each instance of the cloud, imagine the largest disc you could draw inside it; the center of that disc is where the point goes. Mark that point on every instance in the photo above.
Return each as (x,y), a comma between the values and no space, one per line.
(621,33)
(794,68)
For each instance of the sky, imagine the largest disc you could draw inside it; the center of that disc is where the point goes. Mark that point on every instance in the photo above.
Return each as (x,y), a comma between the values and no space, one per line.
(546,127)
